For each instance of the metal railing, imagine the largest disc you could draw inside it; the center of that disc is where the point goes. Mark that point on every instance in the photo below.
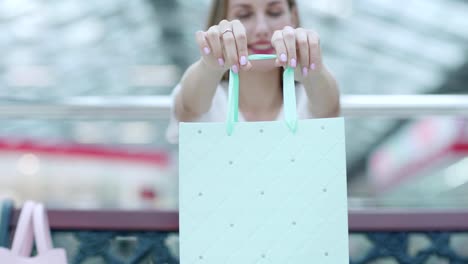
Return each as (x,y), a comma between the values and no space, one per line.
(374,219)
(157,107)
(374,235)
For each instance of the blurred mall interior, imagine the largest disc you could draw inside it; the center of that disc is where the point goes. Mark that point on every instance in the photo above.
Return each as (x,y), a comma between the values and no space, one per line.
(53,51)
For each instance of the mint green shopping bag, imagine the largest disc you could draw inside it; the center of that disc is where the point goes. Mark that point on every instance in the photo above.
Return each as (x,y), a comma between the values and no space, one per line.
(263,192)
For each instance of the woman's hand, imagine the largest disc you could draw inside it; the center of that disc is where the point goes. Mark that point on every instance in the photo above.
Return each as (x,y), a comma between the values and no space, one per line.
(300,48)
(297,47)
(224,46)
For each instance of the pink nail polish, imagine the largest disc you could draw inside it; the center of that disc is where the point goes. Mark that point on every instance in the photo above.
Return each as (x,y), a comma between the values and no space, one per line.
(243,61)
(312,66)
(283,57)
(293,63)
(221,62)
(235,69)
(305,71)
(206,50)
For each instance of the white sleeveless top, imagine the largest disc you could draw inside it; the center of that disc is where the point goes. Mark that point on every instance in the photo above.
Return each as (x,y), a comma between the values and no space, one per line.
(218,110)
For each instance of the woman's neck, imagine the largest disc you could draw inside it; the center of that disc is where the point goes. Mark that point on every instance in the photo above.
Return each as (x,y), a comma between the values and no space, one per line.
(260,95)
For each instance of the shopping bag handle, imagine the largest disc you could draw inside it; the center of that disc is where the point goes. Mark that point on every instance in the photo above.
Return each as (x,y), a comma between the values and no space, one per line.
(42,234)
(23,238)
(32,223)
(289,96)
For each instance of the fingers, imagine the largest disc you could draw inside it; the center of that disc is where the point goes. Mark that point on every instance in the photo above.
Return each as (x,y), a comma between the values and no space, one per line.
(202,43)
(240,37)
(302,44)
(284,42)
(230,49)
(215,43)
(234,42)
(209,48)
(289,37)
(315,53)
(225,45)
(281,53)
(229,45)
(297,46)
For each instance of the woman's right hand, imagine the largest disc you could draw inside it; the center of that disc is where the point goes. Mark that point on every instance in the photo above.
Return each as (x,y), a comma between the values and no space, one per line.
(224,46)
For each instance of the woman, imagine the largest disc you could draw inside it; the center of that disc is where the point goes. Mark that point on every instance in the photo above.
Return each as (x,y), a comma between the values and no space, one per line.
(238,28)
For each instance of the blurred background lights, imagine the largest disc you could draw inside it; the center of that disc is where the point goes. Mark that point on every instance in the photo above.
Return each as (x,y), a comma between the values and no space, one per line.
(28,164)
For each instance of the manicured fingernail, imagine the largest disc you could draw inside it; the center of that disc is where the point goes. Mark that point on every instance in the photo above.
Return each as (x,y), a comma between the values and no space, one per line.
(283,57)
(293,63)
(206,50)
(221,62)
(312,66)
(305,71)
(235,69)
(243,61)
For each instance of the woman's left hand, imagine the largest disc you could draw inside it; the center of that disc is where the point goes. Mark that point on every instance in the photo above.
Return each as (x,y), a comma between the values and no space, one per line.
(297,47)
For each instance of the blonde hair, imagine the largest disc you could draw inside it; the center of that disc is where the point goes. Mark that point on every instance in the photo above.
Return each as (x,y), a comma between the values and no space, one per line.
(219,8)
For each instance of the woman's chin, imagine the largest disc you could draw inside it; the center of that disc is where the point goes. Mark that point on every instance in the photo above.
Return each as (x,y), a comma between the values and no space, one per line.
(263,65)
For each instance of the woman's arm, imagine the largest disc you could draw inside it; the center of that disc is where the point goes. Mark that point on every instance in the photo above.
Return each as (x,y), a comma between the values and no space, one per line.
(198,87)
(323,94)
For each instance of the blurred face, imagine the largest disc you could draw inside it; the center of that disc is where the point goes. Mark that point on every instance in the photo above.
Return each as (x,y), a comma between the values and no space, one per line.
(261,18)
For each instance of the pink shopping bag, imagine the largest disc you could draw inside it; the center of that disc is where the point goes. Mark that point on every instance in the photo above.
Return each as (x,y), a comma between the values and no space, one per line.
(32,225)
